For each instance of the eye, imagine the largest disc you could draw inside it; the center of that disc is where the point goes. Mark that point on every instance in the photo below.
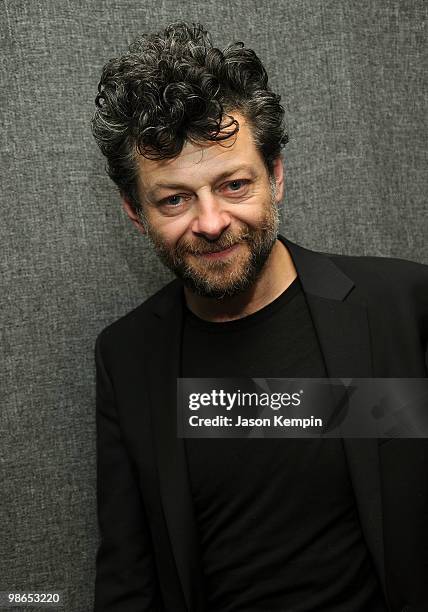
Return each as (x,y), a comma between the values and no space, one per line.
(237,182)
(172,200)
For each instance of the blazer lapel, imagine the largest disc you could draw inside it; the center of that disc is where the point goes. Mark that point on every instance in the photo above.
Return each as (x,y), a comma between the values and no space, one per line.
(341,323)
(343,333)
(170,451)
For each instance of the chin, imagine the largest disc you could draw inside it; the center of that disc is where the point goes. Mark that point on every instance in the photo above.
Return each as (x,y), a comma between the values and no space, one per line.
(216,293)
(238,284)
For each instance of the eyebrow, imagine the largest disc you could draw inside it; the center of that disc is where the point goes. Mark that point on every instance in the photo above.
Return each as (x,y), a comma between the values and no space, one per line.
(225,174)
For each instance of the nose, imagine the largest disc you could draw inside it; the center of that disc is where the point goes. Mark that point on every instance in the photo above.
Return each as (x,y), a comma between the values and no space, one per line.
(210,218)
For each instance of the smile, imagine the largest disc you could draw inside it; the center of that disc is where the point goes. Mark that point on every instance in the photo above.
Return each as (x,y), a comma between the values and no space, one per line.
(220,254)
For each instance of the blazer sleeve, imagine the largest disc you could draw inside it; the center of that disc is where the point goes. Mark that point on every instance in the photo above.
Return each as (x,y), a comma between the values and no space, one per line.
(126,578)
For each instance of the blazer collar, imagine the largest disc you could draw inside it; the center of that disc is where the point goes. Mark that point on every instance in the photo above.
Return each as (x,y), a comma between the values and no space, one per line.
(341,324)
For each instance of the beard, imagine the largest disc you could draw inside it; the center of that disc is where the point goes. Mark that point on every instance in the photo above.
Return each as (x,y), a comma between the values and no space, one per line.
(227,276)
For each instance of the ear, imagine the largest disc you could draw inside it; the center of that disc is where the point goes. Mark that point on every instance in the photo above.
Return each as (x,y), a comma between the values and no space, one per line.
(129,209)
(278,170)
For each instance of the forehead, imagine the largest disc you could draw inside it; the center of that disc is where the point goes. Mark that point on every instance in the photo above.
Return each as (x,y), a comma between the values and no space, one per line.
(206,160)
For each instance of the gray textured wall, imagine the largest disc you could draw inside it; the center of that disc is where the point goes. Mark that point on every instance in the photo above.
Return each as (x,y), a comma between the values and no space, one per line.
(351,78)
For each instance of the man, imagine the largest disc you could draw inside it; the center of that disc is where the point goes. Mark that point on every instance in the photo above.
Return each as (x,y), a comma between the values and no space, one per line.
(192,136)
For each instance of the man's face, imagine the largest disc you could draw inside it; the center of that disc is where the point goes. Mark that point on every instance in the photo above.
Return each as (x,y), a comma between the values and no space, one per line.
(211,198)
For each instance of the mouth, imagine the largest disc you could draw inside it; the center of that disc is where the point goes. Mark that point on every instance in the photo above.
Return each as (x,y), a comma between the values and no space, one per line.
(220,254)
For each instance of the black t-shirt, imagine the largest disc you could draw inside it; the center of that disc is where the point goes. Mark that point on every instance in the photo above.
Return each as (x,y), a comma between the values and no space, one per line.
(277,518)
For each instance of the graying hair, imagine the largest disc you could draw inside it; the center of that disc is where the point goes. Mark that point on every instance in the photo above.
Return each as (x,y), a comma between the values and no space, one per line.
(174,86)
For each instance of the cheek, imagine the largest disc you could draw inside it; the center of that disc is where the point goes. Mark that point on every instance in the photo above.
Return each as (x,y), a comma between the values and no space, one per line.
(253,215)
(170,230)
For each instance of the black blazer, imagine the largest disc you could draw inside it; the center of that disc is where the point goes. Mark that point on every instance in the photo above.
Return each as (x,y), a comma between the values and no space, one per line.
(371,317)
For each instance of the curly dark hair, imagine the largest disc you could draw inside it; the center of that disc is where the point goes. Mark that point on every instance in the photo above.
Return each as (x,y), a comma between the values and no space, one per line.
(174,86)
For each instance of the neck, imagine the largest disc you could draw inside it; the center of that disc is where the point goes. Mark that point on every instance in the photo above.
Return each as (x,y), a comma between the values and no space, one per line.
(278,273)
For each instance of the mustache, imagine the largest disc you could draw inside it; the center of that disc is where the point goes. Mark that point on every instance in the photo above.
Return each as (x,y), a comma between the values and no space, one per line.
(217,246)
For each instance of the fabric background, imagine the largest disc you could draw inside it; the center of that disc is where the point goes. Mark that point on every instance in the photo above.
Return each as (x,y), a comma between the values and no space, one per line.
(351,76)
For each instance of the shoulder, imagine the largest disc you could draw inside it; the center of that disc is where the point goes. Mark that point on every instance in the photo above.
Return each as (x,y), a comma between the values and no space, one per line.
(368,272)
(388,268)
(139,319)
(391,275)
